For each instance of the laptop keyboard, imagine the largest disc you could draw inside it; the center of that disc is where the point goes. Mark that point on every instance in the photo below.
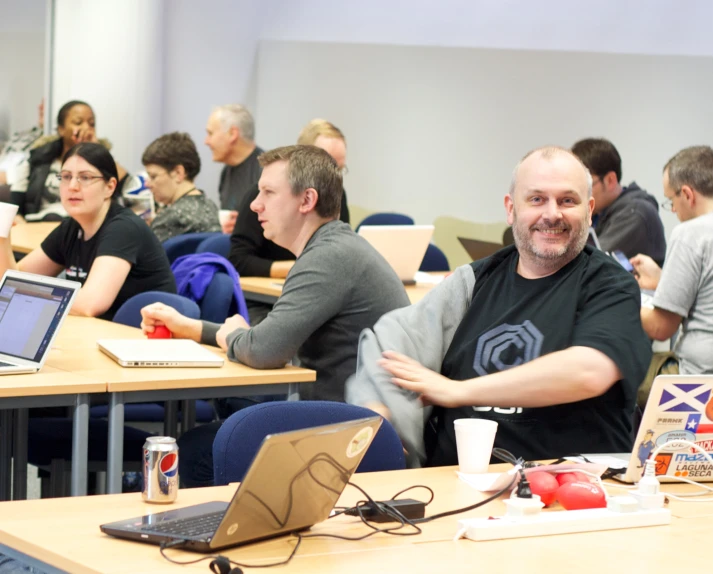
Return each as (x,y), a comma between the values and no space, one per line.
(192,527)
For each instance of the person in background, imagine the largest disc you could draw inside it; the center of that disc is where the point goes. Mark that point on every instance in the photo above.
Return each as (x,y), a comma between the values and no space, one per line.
(625,218)
(230,135)
(252,254)
(684,287)
(104,246)
(543,337)
(172,164)
(338,287)
(36,188)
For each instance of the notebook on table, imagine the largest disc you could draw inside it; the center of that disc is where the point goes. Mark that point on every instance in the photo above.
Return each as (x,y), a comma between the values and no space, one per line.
(159,353)
(679,407)
(32,310)
(294,482)
(403,246)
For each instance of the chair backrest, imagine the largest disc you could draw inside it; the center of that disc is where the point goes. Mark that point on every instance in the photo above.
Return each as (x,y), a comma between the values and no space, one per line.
(434,260)
(130,312)
(240,436)
(385,219)
(185,244)
(219,244)
(218,302)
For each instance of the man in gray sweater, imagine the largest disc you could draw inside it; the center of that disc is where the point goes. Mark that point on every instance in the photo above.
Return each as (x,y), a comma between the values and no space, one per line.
(338,286)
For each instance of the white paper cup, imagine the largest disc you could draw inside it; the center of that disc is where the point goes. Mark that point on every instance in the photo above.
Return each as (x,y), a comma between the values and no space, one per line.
(474,440)
(225,215)
(7,216)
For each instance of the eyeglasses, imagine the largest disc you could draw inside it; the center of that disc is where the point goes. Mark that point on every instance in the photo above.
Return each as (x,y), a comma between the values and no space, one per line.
(668,202)
(83,179)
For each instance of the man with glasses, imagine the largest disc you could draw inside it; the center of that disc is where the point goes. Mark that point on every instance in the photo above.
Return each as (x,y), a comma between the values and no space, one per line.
(625,218)
(684,287)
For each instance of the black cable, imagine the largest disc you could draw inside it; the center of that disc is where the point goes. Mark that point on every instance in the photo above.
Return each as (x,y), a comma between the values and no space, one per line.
(176,543)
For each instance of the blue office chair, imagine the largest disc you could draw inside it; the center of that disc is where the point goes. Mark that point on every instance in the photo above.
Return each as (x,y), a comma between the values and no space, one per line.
(218,303)
(130,314)
(185,244)
(386,219)
(240,436)
(434,260)
(219,244)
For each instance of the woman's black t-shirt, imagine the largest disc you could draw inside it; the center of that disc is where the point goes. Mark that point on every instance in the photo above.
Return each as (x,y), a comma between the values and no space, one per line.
(124,235)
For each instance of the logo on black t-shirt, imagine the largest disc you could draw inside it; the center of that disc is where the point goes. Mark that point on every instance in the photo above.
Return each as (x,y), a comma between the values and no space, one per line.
(507,346)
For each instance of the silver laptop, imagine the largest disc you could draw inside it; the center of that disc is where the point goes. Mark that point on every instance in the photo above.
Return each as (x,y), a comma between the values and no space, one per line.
(593,239)
(679,407)
(159,353)
(403,246)
(294,482)
(32,309)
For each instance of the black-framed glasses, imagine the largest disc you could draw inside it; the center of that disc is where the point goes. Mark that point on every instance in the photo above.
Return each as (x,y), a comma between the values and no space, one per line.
(84,179)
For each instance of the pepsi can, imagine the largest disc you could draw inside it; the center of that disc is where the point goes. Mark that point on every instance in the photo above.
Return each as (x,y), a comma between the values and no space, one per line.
(160,469)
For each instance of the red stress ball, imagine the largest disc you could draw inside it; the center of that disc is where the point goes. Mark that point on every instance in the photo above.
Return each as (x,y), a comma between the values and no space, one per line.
(581,495)
(544,485)
(159,332)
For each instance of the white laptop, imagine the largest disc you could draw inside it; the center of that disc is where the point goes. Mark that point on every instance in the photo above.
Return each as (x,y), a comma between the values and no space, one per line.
(403,246)
(32,309)
(159,353)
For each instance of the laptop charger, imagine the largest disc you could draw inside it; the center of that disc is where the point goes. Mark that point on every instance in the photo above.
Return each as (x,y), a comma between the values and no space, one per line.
(408,507)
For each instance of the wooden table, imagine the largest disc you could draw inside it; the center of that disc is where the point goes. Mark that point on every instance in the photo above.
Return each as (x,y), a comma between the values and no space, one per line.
(27,237)
(63,535)
(267,290)
(76,351)
(50,387)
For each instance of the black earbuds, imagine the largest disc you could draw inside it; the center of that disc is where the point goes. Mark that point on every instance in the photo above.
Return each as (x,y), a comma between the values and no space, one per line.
(221,565)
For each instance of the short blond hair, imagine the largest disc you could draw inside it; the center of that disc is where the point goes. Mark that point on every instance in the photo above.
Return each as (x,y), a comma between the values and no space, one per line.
(319,127)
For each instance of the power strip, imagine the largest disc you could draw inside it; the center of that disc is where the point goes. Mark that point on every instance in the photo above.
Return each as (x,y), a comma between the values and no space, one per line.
(560,522)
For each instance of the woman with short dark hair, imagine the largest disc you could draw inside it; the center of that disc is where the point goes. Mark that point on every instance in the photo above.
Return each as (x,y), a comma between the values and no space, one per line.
(172,163)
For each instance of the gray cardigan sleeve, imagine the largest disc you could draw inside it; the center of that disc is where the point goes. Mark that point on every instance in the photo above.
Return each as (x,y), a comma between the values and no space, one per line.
(424,332)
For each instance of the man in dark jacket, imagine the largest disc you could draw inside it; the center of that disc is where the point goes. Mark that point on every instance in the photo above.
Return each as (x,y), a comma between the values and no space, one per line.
(625,218)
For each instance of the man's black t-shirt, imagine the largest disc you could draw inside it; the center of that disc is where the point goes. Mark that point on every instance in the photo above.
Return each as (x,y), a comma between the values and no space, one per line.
(124,235)
(591,302)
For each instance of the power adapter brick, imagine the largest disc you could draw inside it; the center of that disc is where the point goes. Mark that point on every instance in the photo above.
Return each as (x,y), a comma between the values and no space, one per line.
(409,507)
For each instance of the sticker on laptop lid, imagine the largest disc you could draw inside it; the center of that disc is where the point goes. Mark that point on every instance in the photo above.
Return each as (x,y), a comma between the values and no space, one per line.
(360,441)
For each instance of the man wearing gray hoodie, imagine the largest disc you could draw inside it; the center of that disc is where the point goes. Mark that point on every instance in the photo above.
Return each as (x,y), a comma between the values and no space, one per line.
(625,218)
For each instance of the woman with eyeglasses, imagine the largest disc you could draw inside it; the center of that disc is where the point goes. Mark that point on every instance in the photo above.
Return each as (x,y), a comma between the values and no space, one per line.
(172,164)
(103,245)
(36,189)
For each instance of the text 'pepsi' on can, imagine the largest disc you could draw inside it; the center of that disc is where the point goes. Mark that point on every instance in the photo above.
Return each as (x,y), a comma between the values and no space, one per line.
(160,469)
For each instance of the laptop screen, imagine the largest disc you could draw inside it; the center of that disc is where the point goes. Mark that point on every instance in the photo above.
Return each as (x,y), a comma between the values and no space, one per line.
(30,313)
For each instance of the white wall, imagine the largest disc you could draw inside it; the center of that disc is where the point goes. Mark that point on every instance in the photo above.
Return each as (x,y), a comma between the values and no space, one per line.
(22,60)
(109,54)
(209,54)
(618,26)
(436,131)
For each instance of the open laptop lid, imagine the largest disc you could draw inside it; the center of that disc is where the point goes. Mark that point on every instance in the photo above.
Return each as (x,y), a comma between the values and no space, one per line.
(159,353)
(679,407)
(478,249)
(295,480)
(32,310)
(403,246)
